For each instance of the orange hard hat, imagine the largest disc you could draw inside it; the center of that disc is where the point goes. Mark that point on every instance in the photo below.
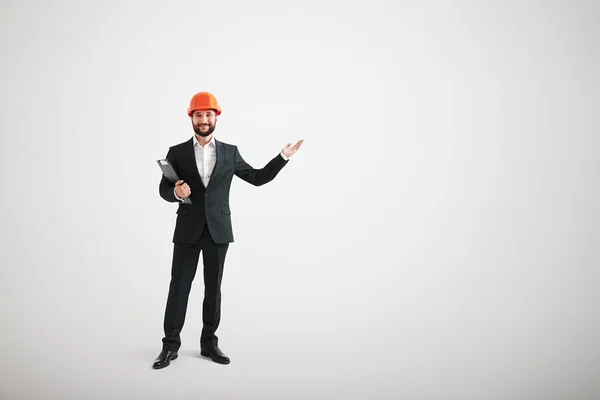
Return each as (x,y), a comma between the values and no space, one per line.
(203,101)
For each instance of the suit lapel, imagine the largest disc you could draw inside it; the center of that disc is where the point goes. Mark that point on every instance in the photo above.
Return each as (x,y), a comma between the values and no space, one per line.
(218,164)
(189,160)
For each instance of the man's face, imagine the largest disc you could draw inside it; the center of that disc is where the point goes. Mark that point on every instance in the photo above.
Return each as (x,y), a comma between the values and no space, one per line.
(204,122)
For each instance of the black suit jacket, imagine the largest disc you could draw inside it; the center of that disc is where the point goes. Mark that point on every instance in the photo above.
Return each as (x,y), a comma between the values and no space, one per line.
(210,203)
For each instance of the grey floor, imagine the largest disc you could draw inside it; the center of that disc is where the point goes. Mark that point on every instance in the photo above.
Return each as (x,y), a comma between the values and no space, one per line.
(428,328)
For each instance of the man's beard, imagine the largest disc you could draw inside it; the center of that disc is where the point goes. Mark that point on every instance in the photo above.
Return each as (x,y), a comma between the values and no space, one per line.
(210,130)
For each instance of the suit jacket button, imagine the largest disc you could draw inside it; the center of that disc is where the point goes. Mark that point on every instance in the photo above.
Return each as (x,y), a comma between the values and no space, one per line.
(207,206)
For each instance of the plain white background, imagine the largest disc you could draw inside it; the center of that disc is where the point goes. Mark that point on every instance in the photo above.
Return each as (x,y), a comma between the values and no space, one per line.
(436,237)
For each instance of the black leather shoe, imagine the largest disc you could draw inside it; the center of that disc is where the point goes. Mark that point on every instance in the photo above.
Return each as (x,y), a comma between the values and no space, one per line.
(215,354)
(164,359)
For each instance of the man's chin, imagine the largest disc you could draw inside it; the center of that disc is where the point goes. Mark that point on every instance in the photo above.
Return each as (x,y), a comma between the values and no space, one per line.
(204,134)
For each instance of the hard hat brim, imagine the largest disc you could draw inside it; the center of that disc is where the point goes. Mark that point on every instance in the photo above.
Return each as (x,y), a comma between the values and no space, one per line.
(217,110)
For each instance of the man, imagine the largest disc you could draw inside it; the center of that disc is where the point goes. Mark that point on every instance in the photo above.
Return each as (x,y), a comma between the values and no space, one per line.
(206,168)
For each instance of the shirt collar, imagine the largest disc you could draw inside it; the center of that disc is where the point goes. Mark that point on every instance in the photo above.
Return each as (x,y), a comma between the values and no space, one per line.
(210,144)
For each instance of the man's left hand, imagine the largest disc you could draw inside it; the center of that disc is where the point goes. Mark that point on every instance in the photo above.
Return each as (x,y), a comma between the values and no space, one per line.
(290,150)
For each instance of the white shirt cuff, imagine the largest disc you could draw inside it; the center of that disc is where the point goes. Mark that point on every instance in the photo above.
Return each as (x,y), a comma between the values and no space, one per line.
(177,197)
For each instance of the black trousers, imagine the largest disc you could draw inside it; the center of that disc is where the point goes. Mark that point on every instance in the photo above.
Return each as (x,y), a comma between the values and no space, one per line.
(183,270)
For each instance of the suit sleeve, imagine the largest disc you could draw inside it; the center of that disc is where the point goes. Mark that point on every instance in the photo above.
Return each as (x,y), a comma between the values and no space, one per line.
(166,188)
(258,177)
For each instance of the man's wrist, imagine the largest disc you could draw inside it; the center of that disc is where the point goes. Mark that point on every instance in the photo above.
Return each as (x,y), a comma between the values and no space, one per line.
(175,193)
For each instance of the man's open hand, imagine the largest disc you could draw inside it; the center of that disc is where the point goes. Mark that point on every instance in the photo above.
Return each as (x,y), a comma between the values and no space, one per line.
(290,150)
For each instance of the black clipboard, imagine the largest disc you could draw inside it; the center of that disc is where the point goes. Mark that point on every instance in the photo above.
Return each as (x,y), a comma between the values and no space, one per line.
(169,173)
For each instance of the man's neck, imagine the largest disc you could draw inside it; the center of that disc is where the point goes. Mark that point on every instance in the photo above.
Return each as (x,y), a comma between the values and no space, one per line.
(203,140)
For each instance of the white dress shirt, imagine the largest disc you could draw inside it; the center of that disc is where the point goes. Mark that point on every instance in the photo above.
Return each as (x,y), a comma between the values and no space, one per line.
(206,158)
